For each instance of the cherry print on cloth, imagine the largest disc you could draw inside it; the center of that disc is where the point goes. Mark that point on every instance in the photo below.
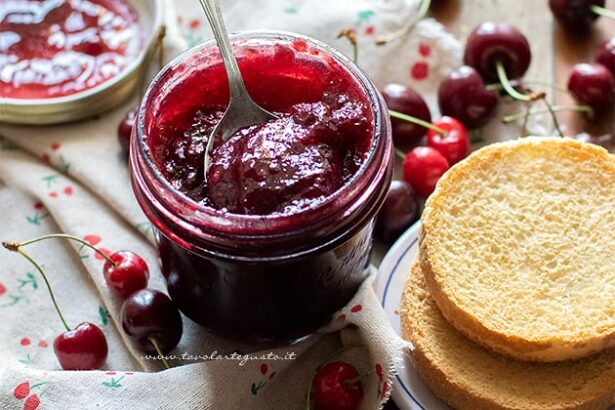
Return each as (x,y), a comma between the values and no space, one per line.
(22,390)
(420,70)
(32,402)
(39,214)
(424,49)
(256,386)
(356,308)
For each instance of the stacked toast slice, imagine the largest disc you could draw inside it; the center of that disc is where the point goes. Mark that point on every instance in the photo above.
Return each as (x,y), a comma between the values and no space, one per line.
(511,304)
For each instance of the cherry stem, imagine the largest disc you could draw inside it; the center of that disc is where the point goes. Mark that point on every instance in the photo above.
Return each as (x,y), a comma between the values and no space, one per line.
(14,246)
(400,154)
(53,298)
(158,50)
(351,35)
(417,121)
(354,380)
(525,97)
(154,343)
(555,108)
(601,11)
(422,11)
(516,83)
(555,120)
(510,90)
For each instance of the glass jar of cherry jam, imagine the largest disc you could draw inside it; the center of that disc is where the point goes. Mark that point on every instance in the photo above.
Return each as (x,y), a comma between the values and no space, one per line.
(279,238)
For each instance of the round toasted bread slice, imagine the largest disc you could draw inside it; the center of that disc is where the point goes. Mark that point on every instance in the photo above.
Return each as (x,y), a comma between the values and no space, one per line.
(468,376)
(518,248)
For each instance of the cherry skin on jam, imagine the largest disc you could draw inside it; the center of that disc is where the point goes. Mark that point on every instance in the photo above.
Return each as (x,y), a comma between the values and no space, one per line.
(423,167)
(575,15)
(404,99)
(83,348)
(492,42)
(462,95)
(287,164)
(592,84)
(335,388)
(455,145)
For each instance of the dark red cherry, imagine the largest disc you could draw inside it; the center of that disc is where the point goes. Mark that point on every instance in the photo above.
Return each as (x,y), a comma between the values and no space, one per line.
(83,348)
(148,313)
(124,130)
(455,145)
(463,95)
(606,54)
(492,42)
(130,273)
(423,167)
(399,211)
(575,15)
(407,101)
(336,387)
(592,84)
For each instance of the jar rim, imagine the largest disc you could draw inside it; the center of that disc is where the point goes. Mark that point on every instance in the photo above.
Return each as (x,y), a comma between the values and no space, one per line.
(224,222)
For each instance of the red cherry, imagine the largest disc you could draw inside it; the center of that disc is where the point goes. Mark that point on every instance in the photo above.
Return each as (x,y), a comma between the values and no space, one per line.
(399,211)
(575,15)
(333,388)
(606,54)
(31,402)
(423,167)
(83,348)
(148,313)
(463,95)
(129,274)
(407,101)
(592,84)
(124,130)
(455,145)
(22,391)
(492,42)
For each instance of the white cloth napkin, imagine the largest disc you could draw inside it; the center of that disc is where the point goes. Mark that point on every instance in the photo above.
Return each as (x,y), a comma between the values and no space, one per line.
(73,178)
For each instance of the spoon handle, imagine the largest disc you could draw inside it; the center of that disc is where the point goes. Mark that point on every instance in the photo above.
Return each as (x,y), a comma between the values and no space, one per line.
(214,16)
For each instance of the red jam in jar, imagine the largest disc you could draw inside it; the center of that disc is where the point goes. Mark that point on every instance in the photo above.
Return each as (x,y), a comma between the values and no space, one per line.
(55,48)
(279,237)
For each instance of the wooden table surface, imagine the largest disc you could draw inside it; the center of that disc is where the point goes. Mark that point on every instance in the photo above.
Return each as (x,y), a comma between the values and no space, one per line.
(554,52)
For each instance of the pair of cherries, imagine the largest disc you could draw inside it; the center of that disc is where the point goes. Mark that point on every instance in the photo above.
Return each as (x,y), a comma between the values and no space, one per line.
(147,315)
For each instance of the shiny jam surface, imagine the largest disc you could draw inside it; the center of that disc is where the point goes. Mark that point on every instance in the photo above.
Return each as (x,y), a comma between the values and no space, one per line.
(317,144)
(55,48)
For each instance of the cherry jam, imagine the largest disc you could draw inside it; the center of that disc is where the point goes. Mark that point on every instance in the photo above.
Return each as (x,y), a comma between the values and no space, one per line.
(279,237)
(55,48)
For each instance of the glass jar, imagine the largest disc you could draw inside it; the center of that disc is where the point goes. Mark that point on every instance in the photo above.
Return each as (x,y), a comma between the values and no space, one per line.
(259,278)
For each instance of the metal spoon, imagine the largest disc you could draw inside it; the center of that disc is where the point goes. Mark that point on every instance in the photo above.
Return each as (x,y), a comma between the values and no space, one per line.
(242,111)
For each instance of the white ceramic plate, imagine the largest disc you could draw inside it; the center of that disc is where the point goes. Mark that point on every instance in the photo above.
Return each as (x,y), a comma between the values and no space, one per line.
(409,392)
